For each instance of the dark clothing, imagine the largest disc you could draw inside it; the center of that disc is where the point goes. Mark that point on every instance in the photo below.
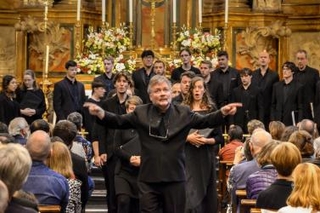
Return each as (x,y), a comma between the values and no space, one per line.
(287,98)
(89,120)
(178,99)
(33,99)
(20,139)
(141,82)
(109,85)
(308,78)
(9,108)
(68,97)
(230,79)
(162,156)
(126,175)
(80,171)
(176,73)
(16,205)
(317,106)
(215,89)
(265,83)
(275,196)
(252,105)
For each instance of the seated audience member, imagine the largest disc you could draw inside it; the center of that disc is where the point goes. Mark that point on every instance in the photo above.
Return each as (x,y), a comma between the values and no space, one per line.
(235,135)
(267,174)
(303,141)
(287,132)
(40,124)
(3,128)
(316,160)
(60,161)
(4,197)
(6,138)
(49,187)
(254,124)
(15,165)
(275,196)
(19,129)
(316,143)
(305,194)
(240,172)
(276,129)
(309,126)
(67,131)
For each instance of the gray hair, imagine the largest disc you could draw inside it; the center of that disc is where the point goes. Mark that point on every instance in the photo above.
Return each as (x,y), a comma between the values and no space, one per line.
(16,125)
(157,79)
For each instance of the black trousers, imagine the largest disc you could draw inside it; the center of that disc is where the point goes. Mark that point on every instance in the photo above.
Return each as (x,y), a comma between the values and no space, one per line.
(108,173)
(170,197)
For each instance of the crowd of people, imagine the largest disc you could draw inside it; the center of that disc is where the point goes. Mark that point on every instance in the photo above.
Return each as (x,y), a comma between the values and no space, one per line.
(157,138)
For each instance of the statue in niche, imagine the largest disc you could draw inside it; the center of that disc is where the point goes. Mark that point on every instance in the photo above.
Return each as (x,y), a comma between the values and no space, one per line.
(266,5)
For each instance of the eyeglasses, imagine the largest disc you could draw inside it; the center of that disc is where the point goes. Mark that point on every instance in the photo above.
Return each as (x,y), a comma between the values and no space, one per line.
(153,132)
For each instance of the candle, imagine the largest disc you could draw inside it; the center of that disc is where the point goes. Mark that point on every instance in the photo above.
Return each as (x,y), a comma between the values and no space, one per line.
(47,60)
(130,11)
(226,11)
(174,11)
(200,11)
(103,11)
(78,10)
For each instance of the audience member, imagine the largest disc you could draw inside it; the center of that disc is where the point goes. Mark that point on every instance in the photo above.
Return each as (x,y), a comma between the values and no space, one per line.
(3,128)
(48,186)
(276,129)
(309,126)
(265,78)
(287,97)
(308,77)
(142,76)
(68,94)
(15,165)
(126,175)
(303,141)
(235,137)
(185,55)
(40,124)
(9,107)
(214,86)
(275,196)
(287,132)
(251,98)
(107,77)
(253,125)
(4,197)
(306,190)
(60,162)
(162,188)
(67,131)
(6,138)
(19,129)
(263,178)
(316,159)
(31,98)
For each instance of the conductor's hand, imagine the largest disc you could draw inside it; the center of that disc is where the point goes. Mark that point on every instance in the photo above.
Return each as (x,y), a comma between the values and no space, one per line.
(94,109)
(230,109)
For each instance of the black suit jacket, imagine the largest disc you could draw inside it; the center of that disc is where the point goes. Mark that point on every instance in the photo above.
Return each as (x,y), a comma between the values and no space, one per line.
(216,91)
(252,105)
(64,100)
(282,107)
(162,160)
(141,84)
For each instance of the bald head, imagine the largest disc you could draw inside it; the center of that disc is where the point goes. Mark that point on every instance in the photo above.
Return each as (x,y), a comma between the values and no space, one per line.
(259,139)
(39,145)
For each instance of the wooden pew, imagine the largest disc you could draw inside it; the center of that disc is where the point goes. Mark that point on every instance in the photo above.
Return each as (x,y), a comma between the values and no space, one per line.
(49,208)
(255,210)
(224,166)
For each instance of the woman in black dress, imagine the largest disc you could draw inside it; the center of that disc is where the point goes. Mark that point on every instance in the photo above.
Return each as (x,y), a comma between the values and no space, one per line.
(126,173)
(200,155)
(31,98)
(9,107)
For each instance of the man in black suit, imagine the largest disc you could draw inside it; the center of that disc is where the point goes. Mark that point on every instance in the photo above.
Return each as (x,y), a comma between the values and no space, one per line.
(308,77)
(105,136)
(214,86)
(287,100)
(68,94)
(163,128)
(107,76)
(142,76)
(264,78)
(251,98)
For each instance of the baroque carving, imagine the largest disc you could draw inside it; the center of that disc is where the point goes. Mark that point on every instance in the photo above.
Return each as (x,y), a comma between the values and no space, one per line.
(257,39)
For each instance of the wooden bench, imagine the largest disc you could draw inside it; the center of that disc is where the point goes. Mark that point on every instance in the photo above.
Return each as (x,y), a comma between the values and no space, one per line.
(224,166)
(49,208)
